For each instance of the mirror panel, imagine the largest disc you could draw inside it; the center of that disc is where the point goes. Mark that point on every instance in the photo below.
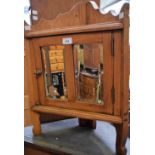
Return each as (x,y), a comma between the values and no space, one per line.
(89,72)
(54,72)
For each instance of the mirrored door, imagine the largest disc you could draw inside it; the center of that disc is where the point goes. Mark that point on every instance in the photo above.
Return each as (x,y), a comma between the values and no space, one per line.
(78,75)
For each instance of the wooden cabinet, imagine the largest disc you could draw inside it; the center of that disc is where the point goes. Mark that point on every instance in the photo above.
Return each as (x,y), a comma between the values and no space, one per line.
(81,71)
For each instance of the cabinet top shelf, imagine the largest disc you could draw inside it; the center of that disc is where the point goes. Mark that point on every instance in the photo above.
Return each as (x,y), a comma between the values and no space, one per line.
(75,29)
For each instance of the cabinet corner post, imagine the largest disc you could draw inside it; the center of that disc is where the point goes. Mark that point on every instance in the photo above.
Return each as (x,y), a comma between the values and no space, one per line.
(36,123)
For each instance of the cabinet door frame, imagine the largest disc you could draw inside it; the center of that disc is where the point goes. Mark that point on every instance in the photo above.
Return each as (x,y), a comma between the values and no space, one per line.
(71,103)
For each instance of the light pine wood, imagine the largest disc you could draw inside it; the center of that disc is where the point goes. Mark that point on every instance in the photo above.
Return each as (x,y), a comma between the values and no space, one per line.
(27,117)
(108,72)
(122,133)
(29,90)
(57,40)
(38,66)
(94,16)
(69,70)
(66,13)
(125,62)
(72,103)
(27,110)
(53,9)
(78,113)
(32,79)
(85,27)
(36,123)
(117,71)
(122,130)
(77,13)
(75,29)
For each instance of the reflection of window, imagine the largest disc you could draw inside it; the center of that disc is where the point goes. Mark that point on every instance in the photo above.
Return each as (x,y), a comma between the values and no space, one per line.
(113,6)
(27,12)
(55,80)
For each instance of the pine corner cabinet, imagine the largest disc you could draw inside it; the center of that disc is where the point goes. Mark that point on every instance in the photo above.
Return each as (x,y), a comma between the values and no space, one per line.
(79,64)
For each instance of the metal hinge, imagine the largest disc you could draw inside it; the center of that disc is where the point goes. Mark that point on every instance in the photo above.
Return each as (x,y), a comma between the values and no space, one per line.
(112,45)
(113,94)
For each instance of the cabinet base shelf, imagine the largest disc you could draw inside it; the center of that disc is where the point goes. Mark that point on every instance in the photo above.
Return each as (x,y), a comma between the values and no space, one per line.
(78,113)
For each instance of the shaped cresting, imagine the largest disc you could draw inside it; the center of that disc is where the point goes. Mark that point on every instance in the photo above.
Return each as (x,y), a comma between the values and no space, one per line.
(112,6)
(106,6)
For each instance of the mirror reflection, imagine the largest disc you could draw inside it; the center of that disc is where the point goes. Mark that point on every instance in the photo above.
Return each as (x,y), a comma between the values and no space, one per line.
(89,71)
(54,72)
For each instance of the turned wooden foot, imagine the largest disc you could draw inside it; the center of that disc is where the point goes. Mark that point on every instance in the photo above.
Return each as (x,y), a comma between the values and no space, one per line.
(87,123)
(121,137)
(36,123)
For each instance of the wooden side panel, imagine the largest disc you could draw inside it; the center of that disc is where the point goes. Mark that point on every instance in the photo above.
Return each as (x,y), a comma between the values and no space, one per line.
(27,118)
(117,71)
(108,72)
(126,64)
(25,67)
(122,130)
